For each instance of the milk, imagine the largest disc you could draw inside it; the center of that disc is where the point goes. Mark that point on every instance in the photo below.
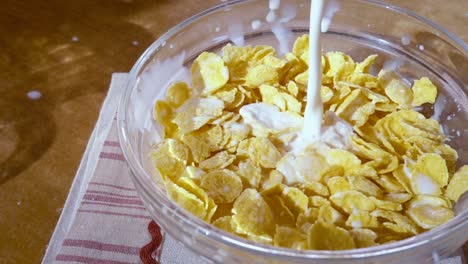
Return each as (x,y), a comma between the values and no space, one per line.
(314,107)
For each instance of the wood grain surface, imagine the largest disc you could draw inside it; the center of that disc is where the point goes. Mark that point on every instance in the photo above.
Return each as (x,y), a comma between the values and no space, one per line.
(66,51)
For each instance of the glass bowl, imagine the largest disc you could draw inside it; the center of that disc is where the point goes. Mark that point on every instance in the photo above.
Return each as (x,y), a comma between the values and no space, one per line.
(416,46)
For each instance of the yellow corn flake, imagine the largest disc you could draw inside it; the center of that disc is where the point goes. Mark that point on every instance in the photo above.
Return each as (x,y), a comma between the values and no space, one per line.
(390,183)
(225,118)
(178,94)
(225,223)
(310,165)
(362,219)
(186,200)
(424,92)
(338,184)
(386,205)
(209,72)
(274,178)
(329,214)
(271,95)
(198,113)
(318,201)
(218,161)
(189,185)
(398,91)
(261,74)
(331,171)
(350,201)
(261,151)
(293,67)
(344,158)
(295,199)
(301,48)
(404,127)
(304,221)
(430,200)
(458,184)
(326,236)
(163,113)
(404,224)
(224,186)
(399,198)
(356,108)
(364,237)
(430,211)
(252,215)
(449,154)
(193,172)
(340,66)
(292,88)
(281,213)
(315,188)
(290,238)
(170,158)
(250,173)
(429,216)
(402,175)
(236,133)
(363,66)
(429,174)
(381,160)
(302,78)
(326,93)
(364,185)
(203,142)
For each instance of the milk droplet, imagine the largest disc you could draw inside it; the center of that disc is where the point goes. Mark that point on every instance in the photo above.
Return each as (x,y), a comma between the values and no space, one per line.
(34,95)
(236,34)
(421,47)
(328,14)
(135,43)
(274,4)
(256,24)
(271,16)
(405,40)
(75,39)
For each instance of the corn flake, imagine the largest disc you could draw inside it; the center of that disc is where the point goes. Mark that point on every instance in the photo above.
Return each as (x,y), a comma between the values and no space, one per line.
(218,161)
(178,94)
(362,219)
(260,150)
(224,186)
(326,236)
(186,200)
(352,200)
(209,72)
(252,215)
(458,184)
(295,199)
(429,174)
(364,237)
(170,158)
(289,237)
(424,92)
(401,223)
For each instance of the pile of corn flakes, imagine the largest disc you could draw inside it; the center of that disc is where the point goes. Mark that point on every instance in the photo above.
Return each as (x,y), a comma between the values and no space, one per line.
(396,179)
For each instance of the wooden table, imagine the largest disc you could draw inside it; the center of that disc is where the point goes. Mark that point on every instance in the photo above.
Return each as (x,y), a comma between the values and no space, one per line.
(66,51)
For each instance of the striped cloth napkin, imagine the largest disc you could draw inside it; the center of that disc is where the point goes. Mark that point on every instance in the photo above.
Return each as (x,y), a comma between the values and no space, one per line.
(103,220)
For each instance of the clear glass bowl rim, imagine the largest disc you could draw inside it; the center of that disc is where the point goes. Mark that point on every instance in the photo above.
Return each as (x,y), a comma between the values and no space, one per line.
(144,184)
